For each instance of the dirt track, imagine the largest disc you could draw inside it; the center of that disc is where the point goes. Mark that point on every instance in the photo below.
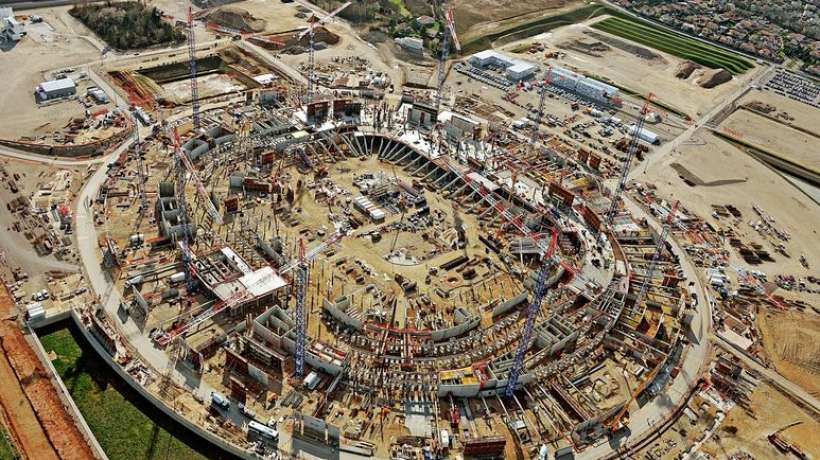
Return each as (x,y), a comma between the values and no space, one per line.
(30,406)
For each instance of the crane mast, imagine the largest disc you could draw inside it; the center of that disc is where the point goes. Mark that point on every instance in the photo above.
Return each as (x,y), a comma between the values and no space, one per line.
(301,290)
(448,33)
(540,113)
(310,32)
(532,313)
(631,149)
(192,68)
(659,247)
(184,216)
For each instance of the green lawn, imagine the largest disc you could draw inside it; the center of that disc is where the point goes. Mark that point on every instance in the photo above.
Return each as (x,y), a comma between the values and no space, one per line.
(675,44)
(127,426)
(7,451)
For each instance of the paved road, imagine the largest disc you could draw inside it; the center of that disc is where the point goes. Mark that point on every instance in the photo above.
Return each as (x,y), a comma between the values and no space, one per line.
(771,375)
(53,160)
(273,61)
(660,153)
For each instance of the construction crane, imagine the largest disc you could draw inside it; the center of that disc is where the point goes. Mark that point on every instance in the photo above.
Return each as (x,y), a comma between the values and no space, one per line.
(185,162)
(301,290)
(515,221)
(313,23)
(448,33)
(242,295)
(451,25)
(659,247)
(184,216)
(631,149)
(539,292)
(140,168)
(615,423)
(192,68)
(540,113)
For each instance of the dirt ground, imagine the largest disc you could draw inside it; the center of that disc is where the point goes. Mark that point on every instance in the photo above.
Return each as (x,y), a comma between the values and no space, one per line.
(792,343)
(710,159)
(279,16)
(39,423)
(50,45)
(805,116)
(788,143)
(17,250)
(771,411)
(638,74)
(350,44)
(19,417)
(481,17)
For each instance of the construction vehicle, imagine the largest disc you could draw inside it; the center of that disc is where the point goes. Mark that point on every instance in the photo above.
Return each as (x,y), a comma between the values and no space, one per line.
(784,446)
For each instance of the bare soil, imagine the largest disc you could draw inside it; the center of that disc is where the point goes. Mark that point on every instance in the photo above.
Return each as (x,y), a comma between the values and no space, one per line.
(38,420)
(630,68)
(788,143)
(791,341)
(51,45)
(712,159)
(801,115)
(770,411)
(481,17)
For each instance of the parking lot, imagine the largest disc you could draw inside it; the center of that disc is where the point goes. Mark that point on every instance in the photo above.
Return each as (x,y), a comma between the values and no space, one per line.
(795,87)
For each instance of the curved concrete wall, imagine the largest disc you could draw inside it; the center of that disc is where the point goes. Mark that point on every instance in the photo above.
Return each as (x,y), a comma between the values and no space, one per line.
(159,404)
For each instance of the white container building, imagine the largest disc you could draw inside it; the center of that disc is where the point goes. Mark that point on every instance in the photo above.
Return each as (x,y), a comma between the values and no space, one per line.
(645,135)
(515,69)
(55,89)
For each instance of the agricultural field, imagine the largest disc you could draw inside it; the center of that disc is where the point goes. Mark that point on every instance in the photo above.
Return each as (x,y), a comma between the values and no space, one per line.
(126,425)
(674,44)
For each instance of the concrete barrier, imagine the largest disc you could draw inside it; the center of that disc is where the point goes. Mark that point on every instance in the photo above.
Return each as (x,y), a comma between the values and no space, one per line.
(158,403)
(77,151)
(62,391)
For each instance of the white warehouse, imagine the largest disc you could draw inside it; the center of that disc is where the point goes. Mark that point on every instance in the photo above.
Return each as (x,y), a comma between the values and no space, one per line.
(584,86)
(515,69)
(55,89)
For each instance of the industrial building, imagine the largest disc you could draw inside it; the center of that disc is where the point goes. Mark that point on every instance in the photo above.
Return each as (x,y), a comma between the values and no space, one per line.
(644,134)
(589,88)
(413,44)
(515,69)
(55,89)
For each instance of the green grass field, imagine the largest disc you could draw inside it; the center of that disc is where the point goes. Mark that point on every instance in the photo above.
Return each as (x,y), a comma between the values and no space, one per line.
(126,425)
(674,44)
(7,451)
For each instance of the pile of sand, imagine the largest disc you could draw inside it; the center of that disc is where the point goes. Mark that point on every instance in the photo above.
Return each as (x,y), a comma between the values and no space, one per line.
(713,78)
(236,18)
(685,69)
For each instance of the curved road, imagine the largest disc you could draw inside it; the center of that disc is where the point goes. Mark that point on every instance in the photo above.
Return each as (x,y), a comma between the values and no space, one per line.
(644,421)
